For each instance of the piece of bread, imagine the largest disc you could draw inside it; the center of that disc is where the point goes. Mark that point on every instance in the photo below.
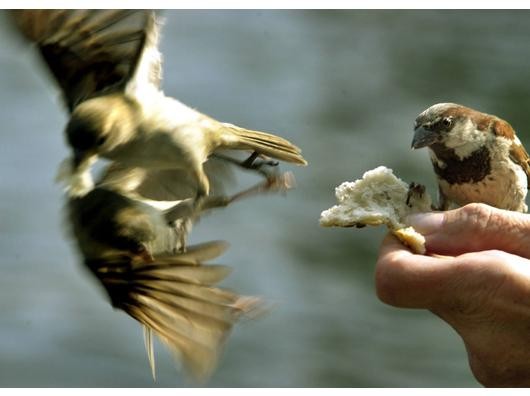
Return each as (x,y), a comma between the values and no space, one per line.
(380,198)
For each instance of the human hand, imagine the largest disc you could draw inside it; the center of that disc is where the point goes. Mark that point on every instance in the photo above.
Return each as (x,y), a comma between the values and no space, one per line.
(480,286)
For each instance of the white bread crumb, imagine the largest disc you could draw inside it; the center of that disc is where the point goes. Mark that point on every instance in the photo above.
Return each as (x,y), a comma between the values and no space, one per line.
(379,198)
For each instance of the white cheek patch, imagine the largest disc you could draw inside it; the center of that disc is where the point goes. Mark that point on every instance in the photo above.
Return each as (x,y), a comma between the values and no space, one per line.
(465,139)
(504,145)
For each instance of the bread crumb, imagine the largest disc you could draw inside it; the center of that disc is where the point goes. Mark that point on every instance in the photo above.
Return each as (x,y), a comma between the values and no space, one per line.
(380,198)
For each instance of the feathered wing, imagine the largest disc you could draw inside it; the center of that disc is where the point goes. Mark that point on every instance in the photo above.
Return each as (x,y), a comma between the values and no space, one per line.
(175,299)
(91,52)
(166,184)
(148,73)
(519,155)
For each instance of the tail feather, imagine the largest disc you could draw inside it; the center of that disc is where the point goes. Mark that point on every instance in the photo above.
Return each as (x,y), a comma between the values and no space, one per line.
(197,292)
(264,143)
(190,273)
(198,359)
(197,314)
(189,326)
(204,251)
(174,299)
(149,349)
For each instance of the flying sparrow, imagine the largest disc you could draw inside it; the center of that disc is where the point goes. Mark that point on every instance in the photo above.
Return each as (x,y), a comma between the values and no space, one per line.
(109,68)
(131,246)
(477,157)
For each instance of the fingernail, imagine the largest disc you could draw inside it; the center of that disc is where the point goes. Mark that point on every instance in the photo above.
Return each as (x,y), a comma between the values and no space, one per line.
(426,223)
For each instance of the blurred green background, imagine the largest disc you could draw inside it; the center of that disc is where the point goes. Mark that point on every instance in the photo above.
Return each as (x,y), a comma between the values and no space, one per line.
(346,87)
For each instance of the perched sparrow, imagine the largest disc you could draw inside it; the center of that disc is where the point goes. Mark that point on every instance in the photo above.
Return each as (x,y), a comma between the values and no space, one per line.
(129,246)
(476,157)
(109,68)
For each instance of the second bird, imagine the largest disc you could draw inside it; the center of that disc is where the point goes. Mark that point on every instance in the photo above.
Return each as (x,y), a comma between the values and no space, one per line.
(118,110)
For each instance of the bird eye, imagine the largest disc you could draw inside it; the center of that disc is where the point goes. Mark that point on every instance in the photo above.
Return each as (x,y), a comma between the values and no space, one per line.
(101,141)
(447,122)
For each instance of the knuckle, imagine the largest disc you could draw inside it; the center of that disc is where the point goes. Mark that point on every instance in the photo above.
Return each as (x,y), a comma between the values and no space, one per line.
(476,210)
(478,214)
(496,254)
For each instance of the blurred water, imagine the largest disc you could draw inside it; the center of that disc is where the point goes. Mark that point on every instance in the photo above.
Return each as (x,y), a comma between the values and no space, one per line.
(345,86)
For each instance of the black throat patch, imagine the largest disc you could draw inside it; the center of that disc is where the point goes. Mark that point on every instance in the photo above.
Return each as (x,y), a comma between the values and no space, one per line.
(457,171)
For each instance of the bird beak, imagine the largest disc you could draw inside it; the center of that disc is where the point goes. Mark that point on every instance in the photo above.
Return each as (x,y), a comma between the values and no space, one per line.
(82,160)
(79,158)
(423,137)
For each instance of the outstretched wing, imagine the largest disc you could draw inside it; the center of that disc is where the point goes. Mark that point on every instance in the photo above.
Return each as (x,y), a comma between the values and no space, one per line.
(175,299)
(94,52)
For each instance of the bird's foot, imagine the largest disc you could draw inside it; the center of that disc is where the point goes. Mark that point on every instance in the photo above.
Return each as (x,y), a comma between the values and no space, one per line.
(181,228)
(252,161)
(256,162)
(274,183)
(415,190)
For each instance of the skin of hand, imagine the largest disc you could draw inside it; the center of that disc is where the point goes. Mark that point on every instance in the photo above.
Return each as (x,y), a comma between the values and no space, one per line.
(476,277)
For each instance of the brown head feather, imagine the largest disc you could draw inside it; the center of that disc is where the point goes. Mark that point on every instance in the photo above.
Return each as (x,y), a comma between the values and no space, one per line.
(503,129)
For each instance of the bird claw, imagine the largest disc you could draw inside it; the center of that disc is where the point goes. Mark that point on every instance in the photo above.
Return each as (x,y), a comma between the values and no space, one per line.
(280,183)
(252,163)
(256,162)
(182,227)
(415,190)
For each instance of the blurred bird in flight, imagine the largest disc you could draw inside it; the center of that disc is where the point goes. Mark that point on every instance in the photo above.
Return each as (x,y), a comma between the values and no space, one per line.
(132,249)
(109,68)
(169,164)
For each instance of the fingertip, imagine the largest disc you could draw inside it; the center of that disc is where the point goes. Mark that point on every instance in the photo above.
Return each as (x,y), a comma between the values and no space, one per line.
(394,252)
(392,245)
(426,223)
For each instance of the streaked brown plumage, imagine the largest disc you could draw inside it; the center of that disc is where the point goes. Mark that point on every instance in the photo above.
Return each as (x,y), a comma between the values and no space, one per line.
(89,52)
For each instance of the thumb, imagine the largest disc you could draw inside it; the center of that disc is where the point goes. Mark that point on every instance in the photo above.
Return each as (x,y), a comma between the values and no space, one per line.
(408,280)
(473,228)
